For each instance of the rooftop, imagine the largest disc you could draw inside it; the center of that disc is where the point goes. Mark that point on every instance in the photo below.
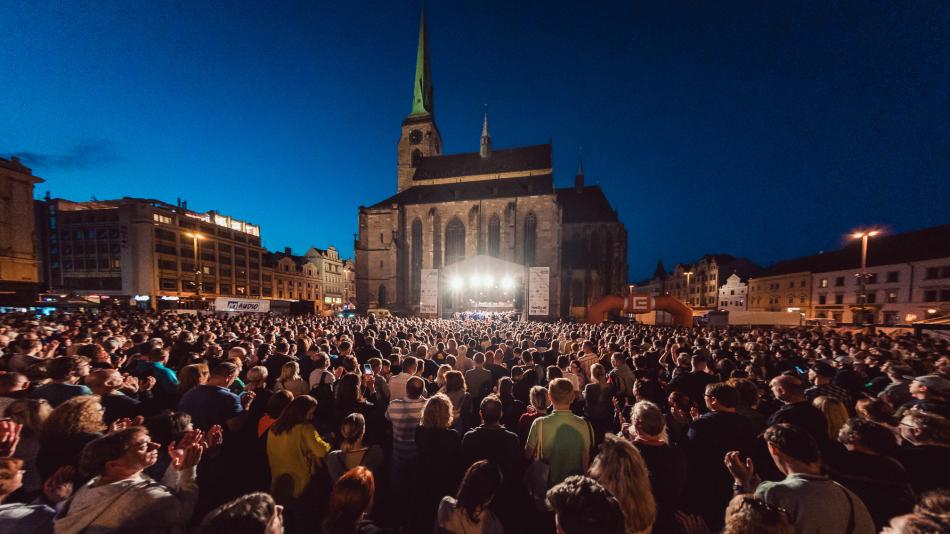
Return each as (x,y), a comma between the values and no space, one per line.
(428,194)
(521,159)
(918,245)
(587,205)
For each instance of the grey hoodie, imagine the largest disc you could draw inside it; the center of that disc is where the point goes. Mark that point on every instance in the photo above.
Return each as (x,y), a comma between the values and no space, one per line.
(137,504)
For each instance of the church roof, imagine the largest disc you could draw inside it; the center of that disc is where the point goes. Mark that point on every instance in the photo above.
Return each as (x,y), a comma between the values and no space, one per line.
(587,205)
(525,158)
(511,187)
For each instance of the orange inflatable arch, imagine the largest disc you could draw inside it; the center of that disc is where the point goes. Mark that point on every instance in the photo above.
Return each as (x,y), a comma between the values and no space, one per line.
(682,314)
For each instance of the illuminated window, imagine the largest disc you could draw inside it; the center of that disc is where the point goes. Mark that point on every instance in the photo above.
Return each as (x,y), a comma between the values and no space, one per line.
(494,236)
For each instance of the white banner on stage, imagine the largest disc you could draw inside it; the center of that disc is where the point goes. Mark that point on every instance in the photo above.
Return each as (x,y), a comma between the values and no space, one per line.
(429,292)
(539,284)
(231,304)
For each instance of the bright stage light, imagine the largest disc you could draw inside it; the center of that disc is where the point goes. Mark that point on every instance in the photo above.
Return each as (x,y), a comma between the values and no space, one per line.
(507,283)
(456,283)
(488,280)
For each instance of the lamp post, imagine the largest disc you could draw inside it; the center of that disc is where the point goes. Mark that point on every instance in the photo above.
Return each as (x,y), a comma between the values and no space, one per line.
(688,275)
(862,278)
(194,243)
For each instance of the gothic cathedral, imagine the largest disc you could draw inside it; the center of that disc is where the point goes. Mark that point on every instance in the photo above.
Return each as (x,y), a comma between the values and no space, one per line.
(494,210)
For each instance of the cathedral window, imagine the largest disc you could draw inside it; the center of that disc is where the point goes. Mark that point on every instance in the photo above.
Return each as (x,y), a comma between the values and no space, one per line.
(382,297)
(416,156)
(454,241)
(494,236)
(436,241)
(416,259)
(530,238)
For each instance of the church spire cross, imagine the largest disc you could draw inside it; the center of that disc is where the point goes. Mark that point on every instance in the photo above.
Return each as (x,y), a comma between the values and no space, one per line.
(422,98)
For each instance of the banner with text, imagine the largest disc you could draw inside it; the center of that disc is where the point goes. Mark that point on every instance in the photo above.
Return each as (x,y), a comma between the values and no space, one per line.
(429,292)
(229,304)
(539,283)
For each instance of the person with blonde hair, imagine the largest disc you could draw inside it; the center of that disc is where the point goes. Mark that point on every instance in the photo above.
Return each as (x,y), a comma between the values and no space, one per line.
(836,414)
(353,452)
(439,445)
(69,427)
(291,380)
(539,401)
(621,470)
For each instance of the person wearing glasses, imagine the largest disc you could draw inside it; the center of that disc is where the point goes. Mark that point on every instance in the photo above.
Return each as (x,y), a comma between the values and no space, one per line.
(121,496)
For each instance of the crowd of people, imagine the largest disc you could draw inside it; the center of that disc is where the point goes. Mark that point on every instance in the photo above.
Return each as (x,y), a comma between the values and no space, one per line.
(149,423)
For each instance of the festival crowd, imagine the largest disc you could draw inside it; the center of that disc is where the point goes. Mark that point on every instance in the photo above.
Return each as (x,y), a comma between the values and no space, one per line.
(250,424)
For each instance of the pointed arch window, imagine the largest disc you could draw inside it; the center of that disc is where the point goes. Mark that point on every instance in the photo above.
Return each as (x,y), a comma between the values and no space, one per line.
(436,241)
(416,260)
(416,157)
(530,238)
(454,241)
(494,236)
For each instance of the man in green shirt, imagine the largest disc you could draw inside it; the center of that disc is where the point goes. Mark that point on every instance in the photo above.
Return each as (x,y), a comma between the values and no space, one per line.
(566,439)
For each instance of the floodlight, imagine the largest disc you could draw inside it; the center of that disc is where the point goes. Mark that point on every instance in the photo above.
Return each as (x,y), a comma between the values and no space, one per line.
(457,283)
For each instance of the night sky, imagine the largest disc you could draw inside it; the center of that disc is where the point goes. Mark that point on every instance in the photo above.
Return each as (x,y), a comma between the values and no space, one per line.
(760,129)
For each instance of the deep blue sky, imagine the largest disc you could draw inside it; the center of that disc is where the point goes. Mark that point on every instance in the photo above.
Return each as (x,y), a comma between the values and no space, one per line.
(762,129)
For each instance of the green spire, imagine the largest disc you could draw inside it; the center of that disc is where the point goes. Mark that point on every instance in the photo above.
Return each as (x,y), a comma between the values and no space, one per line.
(422,101)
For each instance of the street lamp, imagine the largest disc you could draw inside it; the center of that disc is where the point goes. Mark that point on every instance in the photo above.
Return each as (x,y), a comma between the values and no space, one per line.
(688,275)
(862,280)
(194,243)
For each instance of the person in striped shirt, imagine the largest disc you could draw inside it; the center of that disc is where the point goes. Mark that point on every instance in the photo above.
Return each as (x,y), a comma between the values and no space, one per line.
(405,414)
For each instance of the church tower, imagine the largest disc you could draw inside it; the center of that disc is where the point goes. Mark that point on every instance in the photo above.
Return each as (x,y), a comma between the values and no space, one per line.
(420,136)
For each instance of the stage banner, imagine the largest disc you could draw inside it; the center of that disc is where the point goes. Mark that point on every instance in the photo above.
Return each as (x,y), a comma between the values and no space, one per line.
(231,304)
(539,283)
(429,293)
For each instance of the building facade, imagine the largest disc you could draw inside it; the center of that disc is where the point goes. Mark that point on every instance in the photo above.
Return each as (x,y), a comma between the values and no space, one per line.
(349,283)
(331,276)
(907,279)
(499,204)
(697,284)
(19,250)
(732,294)
(784,287)
(295,277)
(896,293)
(149,252)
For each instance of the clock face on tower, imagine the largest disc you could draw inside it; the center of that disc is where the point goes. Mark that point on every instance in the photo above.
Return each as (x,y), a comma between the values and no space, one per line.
(415,136)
